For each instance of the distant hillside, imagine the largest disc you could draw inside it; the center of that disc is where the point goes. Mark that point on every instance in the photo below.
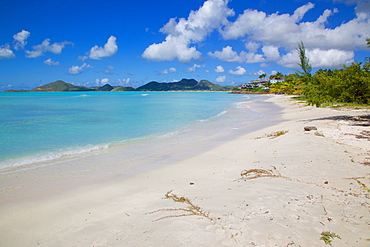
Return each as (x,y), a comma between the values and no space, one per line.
(59,86)
(184,84)
(123,89)
(206,85)
(106,87)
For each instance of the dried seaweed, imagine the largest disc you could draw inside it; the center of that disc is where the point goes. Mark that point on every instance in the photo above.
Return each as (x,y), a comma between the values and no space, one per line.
(257,173)
(190,210)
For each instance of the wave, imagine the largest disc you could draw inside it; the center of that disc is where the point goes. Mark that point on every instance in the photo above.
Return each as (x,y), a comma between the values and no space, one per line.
(29,160)
(221,113)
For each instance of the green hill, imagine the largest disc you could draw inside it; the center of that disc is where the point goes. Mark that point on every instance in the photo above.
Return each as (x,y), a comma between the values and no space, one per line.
(124,89)
(59,86)
(207,85)
(184,84)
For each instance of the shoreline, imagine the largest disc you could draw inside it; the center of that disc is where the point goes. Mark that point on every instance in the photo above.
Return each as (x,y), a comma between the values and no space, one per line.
(59,147)
(21,184)
(316,183)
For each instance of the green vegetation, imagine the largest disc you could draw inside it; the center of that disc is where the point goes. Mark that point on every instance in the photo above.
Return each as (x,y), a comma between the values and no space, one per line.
(328,237)
(183,85)
(348,85)
(59,86)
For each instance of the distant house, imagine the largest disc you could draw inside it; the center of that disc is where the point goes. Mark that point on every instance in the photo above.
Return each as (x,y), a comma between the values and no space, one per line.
(273,80)
(259,83)
(248,86)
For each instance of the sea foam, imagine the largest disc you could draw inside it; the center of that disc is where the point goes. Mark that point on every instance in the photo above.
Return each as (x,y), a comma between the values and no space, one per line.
(27,160)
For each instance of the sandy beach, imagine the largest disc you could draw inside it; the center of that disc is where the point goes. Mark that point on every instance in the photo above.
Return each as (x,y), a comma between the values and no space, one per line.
(278,185)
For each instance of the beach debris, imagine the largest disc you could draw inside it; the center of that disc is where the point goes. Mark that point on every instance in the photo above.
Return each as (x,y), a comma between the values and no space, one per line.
(191,183)
(190,210)
(309,128)
(257,173)
(273,135)
(319,134)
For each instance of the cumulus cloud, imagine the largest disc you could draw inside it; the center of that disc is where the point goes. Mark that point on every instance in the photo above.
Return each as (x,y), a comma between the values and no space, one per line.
(239,71)
(104,81)
(219,69)
(318,58)
(51,62)
(363,6)
(267,37)
(271,53)
(260,72)
(182,33)
(194,68)
(75,70)
(6,53)
(284,30)
(109,49)
(252,46)
(220,79)
(46,46)
(278,35)
(229,55)
(20,39)
(167,71)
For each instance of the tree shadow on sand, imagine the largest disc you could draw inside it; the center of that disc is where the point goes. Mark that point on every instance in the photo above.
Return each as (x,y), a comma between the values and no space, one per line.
(363,120)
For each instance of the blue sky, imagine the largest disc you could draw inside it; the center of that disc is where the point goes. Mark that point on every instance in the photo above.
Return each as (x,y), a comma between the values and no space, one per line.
(130,43)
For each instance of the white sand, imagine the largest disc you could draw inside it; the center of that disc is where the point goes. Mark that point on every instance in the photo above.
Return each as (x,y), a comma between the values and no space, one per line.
(321,184)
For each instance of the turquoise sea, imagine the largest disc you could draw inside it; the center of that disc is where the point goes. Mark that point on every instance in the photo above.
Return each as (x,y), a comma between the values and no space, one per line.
(44,126)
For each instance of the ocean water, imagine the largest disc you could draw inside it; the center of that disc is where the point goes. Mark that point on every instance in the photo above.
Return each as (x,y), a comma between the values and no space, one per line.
(45,126)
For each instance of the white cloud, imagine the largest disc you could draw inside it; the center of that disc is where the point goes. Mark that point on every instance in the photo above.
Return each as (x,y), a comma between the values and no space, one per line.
(20,39)
(75,70)
(252,46)
(301,11)
(122,82)
(279,34)
(227,54)
(260,72)
(219,69)
(239,71)
(104,81)
(284,30)
(51,62)
(363,6)
(170,49)
(6,53)
(194,68)
(182,33)
(167,71)
(45,46)
(319,58)
(264,65)
(221,79)
(271,53)
(109,49)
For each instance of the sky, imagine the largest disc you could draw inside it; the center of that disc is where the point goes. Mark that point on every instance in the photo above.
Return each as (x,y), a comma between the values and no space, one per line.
(130,43)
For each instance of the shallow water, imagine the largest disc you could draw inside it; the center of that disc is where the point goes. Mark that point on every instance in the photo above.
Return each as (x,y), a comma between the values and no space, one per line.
(38,127)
